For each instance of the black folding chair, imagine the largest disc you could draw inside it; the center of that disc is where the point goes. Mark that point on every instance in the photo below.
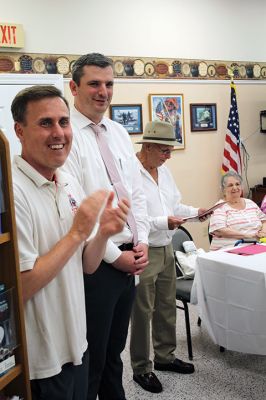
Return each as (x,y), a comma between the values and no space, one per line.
(183,286)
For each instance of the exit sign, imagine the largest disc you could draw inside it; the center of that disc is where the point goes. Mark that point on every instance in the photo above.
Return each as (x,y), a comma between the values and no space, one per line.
(11,35)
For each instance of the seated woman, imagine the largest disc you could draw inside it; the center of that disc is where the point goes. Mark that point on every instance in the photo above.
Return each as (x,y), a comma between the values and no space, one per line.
(239,218)
(263,205)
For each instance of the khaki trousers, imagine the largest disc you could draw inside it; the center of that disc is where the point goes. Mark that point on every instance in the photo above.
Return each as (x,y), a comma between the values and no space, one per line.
(154,306)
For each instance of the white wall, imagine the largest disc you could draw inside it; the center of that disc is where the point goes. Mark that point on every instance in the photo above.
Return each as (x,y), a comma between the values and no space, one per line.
(199,29)
(197,168)
(195,29)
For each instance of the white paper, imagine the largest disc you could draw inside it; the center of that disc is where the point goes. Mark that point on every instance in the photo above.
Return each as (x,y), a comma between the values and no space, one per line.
(208,212)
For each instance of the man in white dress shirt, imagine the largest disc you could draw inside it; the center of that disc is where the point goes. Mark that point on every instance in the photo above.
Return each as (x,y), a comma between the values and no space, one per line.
(110,290)
(155,297)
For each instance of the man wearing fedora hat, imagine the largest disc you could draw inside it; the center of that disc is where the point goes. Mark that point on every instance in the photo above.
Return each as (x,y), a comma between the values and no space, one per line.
(155,298)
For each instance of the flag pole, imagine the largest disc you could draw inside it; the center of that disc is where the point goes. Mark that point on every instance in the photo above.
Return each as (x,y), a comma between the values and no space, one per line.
(242,145)
(231,74)
(232,153)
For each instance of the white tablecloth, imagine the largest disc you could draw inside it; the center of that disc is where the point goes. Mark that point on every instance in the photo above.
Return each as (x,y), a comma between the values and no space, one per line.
(231,292)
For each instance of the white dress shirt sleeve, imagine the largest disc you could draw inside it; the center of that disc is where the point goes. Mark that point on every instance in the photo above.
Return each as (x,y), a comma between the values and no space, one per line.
(112,252)
(139,207)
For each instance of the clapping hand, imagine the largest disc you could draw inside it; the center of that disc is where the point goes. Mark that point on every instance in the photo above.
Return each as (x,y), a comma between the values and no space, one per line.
(87,215)
(112,220)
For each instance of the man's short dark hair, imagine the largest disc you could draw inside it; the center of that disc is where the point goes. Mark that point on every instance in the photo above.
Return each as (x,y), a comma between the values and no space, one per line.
(33,93)
(96,59)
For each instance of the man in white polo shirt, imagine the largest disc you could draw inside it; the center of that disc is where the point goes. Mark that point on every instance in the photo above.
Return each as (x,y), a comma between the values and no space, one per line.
(53,223)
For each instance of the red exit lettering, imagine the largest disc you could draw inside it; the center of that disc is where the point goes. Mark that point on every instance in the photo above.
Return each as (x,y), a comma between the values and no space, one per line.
(8,34)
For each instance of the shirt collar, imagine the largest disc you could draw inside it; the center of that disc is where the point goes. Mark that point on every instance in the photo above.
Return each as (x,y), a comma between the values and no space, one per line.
(140,165)
(81,121)
(35,176)
(145,172)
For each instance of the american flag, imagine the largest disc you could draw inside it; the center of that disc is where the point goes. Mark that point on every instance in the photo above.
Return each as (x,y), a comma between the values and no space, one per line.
(232,155)
(159,111)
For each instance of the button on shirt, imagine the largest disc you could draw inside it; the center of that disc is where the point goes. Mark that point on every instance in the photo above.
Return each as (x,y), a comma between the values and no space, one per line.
(86,164)
(163,200)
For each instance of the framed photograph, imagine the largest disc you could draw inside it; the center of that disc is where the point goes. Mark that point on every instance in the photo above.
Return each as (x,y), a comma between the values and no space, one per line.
(169,108)
(128,115)
(203,117)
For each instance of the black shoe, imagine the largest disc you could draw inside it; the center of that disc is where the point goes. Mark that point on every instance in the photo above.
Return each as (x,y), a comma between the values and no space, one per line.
(175,366)
(149,382)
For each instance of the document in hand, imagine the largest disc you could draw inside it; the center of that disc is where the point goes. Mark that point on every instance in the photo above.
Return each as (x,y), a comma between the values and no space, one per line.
(206,213)
(248,250)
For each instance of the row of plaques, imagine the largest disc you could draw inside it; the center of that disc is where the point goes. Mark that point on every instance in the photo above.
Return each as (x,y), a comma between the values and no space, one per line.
(137,68)
(27,64)
(187,69)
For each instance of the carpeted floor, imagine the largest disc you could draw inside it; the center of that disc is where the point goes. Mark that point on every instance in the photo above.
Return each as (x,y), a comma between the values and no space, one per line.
(218,376)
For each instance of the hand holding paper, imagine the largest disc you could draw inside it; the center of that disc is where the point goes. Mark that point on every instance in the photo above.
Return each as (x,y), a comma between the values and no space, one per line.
(174,222)
(204,213)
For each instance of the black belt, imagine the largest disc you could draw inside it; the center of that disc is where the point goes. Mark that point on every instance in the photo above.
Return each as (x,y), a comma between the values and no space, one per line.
(126,246)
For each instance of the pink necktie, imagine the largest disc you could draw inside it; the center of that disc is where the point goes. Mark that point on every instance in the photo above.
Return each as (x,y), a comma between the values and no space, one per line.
(114,176)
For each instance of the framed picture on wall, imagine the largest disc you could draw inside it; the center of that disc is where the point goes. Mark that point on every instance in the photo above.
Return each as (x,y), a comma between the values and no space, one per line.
(169,108)
(203,117)
(128,115)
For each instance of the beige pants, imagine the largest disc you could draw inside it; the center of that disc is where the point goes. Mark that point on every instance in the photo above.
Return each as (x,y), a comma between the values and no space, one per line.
(154,305)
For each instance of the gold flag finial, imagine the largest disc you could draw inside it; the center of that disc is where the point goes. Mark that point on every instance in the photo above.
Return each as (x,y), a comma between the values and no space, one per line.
(230,72)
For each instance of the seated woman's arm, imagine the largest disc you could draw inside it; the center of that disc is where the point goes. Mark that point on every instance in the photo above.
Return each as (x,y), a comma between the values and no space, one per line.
(219,226)
(232,233)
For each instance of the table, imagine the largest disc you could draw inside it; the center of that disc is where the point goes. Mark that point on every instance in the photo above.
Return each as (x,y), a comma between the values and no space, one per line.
(231,293)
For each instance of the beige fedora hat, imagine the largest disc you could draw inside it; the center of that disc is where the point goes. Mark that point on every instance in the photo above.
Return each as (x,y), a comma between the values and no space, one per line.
(159,132)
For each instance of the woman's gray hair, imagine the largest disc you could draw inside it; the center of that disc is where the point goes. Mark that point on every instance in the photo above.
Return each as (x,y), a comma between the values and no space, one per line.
(228,175)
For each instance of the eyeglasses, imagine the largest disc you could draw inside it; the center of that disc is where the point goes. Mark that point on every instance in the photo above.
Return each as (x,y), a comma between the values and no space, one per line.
(165,152)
